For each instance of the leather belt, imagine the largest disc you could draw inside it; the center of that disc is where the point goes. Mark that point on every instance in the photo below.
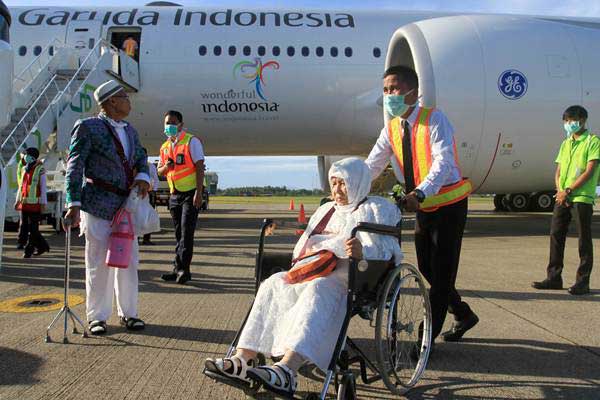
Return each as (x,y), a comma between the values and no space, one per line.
(107,186)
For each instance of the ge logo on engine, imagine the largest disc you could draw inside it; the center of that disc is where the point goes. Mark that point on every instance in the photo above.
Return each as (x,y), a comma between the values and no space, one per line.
(512,84)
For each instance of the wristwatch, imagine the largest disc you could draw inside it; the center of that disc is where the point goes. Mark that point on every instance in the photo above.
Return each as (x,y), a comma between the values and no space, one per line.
(568,191)
(420,195)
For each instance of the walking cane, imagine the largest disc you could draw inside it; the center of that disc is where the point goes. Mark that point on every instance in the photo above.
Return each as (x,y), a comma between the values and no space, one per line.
(66,310)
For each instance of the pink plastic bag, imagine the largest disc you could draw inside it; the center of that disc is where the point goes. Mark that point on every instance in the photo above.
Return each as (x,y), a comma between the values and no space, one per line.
(120,242)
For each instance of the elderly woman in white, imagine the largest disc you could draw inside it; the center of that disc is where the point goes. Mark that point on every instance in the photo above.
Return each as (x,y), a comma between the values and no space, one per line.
(301,322)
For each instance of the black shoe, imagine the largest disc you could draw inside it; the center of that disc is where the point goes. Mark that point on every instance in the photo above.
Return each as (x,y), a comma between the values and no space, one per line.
(183,277)
(170,277)
(460,328)
(27,254)
(578,290)
(39,252)
(548,284)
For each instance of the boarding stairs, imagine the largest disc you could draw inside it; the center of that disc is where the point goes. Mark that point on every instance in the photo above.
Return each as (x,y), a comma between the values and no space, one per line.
(51,94)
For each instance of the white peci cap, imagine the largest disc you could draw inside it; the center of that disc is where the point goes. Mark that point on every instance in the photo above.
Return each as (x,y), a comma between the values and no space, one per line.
(106,91)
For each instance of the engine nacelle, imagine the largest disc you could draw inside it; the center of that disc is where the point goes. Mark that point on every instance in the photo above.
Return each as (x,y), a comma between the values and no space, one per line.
(504,82)
(6,67)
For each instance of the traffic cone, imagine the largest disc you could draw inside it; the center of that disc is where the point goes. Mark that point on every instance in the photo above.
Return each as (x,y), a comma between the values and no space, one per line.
(302,215)
(291,205)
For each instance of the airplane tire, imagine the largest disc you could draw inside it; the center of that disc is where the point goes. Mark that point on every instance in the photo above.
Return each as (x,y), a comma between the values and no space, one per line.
(498,203)
(543,201)
(518,202)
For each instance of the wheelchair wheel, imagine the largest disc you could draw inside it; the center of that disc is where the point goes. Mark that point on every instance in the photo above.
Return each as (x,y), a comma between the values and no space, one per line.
(403,329)
(347,387)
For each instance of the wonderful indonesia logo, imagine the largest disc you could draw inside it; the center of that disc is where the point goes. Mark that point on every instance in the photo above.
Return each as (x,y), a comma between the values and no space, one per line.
(253,99)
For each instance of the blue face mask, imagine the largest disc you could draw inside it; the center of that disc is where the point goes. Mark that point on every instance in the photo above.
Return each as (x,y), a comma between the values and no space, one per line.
(572,127)
(394,104)
(29,159)
(171,130)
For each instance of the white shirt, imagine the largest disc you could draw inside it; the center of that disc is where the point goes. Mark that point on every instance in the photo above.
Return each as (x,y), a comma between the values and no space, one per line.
(153,176)
(443,171)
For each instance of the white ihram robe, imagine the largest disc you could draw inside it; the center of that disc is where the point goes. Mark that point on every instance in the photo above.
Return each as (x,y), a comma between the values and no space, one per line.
(307,317)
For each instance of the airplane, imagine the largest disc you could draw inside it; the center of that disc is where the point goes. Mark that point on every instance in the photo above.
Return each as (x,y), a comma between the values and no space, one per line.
(300,81)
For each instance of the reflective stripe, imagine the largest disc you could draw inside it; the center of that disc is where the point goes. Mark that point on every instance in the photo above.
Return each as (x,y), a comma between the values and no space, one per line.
(421,151)
(183,177)
(29,196)
(447,195)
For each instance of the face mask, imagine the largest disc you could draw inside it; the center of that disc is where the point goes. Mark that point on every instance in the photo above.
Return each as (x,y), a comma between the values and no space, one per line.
(171,130)
(394,104)
(29,159)
(571,127)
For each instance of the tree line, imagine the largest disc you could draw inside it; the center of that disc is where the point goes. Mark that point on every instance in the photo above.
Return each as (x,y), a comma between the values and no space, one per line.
(269,191)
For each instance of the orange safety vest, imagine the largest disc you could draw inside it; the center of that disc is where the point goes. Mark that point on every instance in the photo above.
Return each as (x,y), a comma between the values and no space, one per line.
(130,47)
(183,176)
(30,199)
(421,158)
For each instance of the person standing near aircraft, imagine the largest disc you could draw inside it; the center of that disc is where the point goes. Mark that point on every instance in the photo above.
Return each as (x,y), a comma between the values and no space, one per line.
(182,161)
(130,47)
(576,177)
(106,160)
(422,141)
(153,173)
(31,201)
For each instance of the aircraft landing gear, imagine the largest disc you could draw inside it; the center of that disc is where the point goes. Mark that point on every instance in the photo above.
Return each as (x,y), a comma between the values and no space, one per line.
(524,202)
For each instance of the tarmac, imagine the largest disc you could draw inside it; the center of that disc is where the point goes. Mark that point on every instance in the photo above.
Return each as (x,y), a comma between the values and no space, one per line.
(528,344)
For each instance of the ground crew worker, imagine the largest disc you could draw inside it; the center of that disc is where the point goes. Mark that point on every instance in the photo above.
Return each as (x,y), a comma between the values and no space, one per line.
(130,46)
(182,161)
(31,201)
(577,174)
(421,141)
(22,240)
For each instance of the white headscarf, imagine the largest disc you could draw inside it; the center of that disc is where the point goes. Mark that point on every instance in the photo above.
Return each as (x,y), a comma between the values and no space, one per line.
(357,177)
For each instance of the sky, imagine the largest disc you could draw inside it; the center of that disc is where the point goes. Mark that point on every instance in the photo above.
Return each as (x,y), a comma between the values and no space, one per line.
(301,172)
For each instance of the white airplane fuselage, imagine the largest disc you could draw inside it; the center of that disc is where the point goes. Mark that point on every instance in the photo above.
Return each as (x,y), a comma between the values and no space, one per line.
(257,102)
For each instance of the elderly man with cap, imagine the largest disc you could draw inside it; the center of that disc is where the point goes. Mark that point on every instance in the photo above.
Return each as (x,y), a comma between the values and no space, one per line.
(105,161)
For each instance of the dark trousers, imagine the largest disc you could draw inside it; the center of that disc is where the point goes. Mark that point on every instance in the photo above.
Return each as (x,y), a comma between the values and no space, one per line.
(152,198)
(29,232)
(438,239)
(185,215)
(561,218)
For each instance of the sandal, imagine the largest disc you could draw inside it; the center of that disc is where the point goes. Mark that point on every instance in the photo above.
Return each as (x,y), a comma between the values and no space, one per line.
(97,327)
(236,371)
(282,380)
(132,324)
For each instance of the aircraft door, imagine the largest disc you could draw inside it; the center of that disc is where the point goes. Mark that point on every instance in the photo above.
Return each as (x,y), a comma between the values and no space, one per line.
(83,36)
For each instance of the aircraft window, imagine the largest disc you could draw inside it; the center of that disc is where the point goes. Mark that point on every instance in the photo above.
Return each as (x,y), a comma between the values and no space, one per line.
(276,51)
(37,50)
(22,51)
(376,52)
(319,52)
(232,50)
(305,51)
(91,43)
(202,50)
(334,52)
(4,35)
(261,50)
(348,51)
(291,51)
(247,50)
(217,50)
(51,51)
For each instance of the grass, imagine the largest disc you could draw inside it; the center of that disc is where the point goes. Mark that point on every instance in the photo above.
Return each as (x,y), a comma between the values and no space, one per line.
(306,200)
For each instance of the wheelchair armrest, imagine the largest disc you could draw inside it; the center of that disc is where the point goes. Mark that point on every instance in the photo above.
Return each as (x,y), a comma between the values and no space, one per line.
(378,229)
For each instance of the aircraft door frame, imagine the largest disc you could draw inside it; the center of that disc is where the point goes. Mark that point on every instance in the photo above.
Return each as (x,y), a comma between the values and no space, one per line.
(83,35)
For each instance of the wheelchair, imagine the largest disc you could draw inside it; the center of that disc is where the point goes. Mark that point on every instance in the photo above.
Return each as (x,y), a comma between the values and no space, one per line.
(392,298)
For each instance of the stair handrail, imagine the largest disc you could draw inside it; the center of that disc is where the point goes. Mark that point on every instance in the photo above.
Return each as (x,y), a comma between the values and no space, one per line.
(31,109)
(71,88)
(20,79)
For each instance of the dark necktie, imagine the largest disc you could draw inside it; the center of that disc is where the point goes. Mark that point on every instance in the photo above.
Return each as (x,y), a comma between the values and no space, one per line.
(409,175)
